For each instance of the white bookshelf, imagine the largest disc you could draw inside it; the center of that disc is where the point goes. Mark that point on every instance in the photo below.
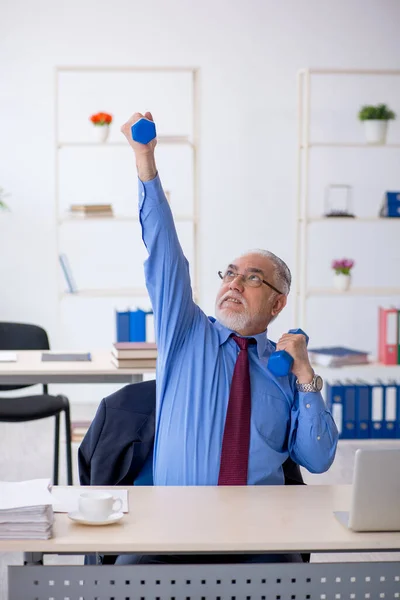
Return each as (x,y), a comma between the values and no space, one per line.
(370,372)
(67,142)
(304,220)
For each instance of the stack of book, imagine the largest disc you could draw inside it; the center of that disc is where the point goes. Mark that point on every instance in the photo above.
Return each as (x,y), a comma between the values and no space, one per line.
(79,430)
(91,210)
(26,510)
(337,356)
(134,355)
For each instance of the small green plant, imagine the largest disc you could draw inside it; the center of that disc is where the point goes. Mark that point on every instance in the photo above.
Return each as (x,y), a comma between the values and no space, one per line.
(3,195)
(380,112)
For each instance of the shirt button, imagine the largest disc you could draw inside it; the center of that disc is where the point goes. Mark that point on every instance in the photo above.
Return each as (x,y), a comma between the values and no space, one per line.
(318,437)
(308,405)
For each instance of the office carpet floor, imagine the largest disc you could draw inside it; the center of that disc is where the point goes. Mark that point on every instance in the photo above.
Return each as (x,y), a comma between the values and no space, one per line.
(26,453)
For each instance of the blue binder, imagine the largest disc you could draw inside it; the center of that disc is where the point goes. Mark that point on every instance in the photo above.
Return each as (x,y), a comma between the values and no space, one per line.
(363,410)
(334,401)
(349,412)
(389,410)
(377,415)
(398,411)
(391,205)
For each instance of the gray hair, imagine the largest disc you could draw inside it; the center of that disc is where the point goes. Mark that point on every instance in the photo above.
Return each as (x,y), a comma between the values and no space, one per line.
(283,277)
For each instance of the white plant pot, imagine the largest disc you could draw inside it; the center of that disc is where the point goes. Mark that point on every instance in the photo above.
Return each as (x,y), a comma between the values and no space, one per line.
(375,131)
(341,281)
(100,133)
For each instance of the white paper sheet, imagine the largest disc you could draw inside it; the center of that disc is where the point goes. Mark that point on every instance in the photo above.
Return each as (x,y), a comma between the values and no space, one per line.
(19,494)
(8,356)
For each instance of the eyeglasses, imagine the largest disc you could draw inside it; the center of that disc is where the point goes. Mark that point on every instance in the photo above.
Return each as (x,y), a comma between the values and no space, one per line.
(250,279)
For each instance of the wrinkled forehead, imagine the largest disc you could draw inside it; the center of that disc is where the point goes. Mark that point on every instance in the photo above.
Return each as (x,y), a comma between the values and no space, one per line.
(253,262)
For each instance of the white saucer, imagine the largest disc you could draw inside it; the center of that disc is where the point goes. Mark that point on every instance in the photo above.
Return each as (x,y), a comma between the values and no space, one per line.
(79,518)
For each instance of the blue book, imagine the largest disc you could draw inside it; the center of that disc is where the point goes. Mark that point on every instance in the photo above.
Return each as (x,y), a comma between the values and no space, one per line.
(67,273)
(337,356)
(123,325)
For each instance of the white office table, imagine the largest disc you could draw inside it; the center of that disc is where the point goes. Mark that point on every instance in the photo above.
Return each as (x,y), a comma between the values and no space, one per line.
(29,368)
(257,519)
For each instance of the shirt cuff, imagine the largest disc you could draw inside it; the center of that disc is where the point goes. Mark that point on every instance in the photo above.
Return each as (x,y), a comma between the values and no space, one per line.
(151,192)
(311,404)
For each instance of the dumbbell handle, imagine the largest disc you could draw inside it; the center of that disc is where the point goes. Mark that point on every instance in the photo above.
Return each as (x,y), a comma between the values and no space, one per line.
(280,363)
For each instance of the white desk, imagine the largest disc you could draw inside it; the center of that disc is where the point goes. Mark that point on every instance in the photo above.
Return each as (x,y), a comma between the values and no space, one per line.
(218,519)
(213,520)
(29,368)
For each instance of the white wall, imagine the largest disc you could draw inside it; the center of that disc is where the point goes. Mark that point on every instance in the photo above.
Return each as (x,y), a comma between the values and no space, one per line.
(248,53)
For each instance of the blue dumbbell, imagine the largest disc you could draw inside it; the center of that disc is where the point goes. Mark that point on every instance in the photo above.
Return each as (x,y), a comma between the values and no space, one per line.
(280,362)
(143,131)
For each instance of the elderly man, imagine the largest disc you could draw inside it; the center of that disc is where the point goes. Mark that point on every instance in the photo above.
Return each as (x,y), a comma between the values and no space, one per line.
(222,417)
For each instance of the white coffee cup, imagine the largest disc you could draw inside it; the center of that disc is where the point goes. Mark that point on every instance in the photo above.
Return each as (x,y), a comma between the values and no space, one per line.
(98,505)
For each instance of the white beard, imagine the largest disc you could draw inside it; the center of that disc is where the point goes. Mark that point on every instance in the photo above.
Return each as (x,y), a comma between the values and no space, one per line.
(234,321)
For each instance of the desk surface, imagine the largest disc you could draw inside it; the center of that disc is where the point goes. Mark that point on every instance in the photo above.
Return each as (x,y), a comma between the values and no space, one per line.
(218,519)
(29,368)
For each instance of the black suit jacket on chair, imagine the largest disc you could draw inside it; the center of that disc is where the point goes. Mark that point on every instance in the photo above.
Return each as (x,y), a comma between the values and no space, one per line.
(120,437)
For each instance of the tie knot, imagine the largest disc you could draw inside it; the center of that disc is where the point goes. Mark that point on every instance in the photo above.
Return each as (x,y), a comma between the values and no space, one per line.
(243,343)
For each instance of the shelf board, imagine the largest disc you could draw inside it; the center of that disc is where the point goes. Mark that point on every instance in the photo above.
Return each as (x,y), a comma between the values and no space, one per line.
(322,71)
(127,218)
(349,219)
(361,291)
(347,145)
(162,139)
(110,293)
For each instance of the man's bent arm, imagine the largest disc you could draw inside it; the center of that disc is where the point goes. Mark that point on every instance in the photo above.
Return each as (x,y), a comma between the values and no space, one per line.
(313,434)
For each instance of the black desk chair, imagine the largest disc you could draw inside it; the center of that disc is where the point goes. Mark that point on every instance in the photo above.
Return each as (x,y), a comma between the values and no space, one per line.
(22,336)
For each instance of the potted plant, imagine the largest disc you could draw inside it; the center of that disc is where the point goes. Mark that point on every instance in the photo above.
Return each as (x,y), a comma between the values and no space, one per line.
(375,119)
(342,276)
(101,122)
(3,205)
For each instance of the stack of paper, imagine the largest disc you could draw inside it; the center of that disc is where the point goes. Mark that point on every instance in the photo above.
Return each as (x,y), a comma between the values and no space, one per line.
(26,510)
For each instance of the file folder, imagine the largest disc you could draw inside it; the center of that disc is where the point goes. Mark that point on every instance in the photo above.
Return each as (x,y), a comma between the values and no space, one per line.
(363,410)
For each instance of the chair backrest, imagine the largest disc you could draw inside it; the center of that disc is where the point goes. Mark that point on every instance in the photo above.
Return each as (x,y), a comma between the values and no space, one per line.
(21,336)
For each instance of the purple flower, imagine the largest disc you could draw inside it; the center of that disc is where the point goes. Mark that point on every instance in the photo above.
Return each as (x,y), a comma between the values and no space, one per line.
(343,266)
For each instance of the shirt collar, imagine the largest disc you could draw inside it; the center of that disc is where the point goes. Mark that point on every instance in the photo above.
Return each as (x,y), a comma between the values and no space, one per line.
(264,345)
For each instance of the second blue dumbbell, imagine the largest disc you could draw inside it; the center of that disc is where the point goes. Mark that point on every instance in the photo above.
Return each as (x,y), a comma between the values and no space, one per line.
(143,131)
(280,362)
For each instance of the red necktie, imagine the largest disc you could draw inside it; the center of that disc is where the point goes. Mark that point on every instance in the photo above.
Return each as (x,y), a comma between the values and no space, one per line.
(236,441)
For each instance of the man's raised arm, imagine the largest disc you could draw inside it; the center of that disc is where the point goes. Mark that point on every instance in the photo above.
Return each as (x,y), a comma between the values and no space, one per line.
(166,268)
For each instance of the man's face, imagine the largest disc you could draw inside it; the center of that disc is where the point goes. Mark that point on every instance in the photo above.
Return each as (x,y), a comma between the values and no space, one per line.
(245,309)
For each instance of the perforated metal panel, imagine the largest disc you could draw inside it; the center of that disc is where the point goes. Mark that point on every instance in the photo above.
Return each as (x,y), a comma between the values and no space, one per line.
(319,581)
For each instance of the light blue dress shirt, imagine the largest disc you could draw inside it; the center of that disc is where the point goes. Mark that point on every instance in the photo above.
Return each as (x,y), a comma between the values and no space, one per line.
(196,358)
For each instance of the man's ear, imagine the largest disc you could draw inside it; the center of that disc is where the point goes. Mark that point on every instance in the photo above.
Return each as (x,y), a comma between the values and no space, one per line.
(278,305)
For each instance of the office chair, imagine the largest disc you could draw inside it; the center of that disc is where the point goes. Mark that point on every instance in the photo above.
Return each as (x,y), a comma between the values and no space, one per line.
(23,336)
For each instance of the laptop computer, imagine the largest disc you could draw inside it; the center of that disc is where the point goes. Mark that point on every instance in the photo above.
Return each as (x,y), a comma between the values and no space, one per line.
(375,500)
